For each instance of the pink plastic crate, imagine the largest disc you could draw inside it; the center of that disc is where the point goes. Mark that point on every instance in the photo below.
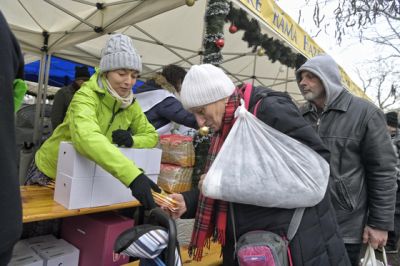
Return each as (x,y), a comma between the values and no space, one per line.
(94,235)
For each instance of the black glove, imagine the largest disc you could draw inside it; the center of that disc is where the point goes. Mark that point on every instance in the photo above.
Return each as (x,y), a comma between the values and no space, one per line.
(122,138)
(141,190)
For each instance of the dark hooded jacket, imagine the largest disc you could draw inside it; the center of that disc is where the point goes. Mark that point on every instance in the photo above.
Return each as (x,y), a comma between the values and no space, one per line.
(317,241)
(160,104)
(10,201)
(363,175)
(62,99)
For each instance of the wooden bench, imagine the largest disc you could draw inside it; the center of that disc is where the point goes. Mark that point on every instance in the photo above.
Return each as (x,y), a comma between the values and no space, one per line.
(38,205)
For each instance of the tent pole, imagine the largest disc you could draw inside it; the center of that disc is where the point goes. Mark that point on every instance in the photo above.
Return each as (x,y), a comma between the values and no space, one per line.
(44,96)
(287,77)
(39,100)
(254,70)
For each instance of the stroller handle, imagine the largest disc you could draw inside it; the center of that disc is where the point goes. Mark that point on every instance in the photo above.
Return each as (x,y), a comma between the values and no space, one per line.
(164,220)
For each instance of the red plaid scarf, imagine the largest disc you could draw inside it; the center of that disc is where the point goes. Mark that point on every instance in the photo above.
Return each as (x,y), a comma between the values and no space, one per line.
(211,215)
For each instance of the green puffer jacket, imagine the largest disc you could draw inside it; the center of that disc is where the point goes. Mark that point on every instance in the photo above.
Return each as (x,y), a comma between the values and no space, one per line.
(91,118)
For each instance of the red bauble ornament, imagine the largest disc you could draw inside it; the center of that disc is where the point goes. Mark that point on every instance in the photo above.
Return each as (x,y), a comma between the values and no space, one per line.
(220,43)
(233,28)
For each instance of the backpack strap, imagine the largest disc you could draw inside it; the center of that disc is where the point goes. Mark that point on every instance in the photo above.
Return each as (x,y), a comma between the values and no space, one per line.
(292,230)
(295,223)
(247,90)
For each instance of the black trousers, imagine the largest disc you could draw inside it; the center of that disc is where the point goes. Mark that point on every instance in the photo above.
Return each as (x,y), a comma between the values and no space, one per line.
(353,251)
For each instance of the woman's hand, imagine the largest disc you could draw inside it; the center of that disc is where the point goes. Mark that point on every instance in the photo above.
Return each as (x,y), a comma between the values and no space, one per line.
(180,206)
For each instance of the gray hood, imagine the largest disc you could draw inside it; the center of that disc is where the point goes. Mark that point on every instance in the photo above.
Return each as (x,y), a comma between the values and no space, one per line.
(326,69)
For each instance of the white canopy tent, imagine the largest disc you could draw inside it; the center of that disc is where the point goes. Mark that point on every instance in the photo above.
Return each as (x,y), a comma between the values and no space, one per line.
(164,32)
(176,37)
(44,27)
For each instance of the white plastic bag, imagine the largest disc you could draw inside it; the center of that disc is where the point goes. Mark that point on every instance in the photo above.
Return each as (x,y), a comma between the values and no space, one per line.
(370,259)
(261,166)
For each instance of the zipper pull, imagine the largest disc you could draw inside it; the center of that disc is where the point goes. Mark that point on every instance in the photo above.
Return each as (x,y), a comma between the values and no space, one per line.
(318,121)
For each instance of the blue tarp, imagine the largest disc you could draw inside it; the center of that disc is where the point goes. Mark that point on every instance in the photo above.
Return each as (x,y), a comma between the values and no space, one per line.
(62,72)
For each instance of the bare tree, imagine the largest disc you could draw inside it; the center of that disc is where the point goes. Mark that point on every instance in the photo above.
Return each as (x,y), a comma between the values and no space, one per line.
(388,36)
(356,14)
(375,21)
(380,79)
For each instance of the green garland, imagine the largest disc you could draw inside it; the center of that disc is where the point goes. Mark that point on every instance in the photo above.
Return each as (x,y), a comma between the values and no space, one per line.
(215,15)
(218,11)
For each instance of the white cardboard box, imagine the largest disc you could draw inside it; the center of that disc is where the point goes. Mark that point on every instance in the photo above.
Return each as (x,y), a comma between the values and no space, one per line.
(23,255)
(39,240)
(57,253)
(89,185)
(147,159)
(71,163)
(109,190)
(73,193)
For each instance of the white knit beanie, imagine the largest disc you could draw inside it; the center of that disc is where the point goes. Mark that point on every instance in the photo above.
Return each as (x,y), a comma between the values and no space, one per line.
(119,53)
(205,84)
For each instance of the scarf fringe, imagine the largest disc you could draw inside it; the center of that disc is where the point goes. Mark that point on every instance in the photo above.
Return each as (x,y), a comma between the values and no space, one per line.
(197,252)
(221,237)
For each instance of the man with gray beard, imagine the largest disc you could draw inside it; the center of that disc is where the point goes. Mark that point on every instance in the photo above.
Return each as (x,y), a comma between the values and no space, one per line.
(363,176)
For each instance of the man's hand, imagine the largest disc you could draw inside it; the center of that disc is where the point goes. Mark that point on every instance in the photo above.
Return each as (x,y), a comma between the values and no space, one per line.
(180,207)
(377,238)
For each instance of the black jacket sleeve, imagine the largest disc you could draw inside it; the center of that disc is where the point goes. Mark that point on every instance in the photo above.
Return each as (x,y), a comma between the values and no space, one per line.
(191,199)
(59,109)
(172,109)
(282,114)
(10,200)
(379,161)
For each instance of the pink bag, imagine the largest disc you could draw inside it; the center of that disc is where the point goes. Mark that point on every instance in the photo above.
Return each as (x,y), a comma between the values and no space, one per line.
(262,248)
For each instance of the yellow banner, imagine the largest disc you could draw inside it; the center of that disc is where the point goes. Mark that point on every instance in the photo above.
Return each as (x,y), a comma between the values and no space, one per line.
(269,12)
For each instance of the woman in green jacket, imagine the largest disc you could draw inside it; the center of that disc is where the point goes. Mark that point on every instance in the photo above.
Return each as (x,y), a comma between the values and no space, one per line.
(103,113)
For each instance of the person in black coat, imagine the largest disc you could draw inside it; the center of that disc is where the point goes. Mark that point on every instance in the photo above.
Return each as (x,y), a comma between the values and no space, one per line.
(362,164)
(392,244)
(212,97)
(63,96)
(158,99)
(12,62)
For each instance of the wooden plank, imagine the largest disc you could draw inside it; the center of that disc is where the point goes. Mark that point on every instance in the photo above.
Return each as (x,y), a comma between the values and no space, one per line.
(38,205)
(211,257)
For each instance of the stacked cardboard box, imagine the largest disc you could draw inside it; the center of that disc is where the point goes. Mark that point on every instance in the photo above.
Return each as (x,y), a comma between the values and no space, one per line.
(44,251)
(95,236)
(81,183)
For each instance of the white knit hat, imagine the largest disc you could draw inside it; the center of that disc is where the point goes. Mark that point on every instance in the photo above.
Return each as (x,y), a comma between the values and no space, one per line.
(205,84)
(119,53)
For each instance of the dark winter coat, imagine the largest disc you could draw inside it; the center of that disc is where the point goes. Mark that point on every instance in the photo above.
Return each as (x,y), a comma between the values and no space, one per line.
(170,109)
(10,200)
(317,241)
(363,173)
(62,99)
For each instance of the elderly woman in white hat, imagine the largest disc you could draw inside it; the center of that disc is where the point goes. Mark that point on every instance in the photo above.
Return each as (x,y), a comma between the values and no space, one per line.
(103,113)
(212,97)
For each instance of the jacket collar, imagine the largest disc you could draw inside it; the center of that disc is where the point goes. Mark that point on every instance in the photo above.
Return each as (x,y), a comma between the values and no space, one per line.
(341,103)
(107,100)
